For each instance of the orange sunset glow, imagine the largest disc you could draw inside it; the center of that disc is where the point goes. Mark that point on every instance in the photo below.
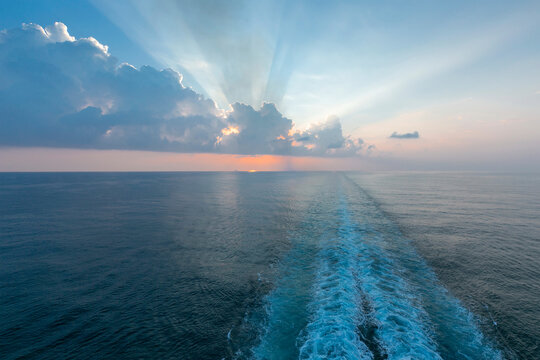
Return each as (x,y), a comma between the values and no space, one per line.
(52,159)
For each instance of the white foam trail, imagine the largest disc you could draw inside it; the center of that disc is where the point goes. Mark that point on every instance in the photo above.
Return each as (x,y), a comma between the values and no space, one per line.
(403,329)
(452,327)
(362,292)
(336,306)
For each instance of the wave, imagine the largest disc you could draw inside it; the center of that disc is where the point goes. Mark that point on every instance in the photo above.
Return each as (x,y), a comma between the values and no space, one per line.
(360,291)
(336,307)
(402,327)
(453,329)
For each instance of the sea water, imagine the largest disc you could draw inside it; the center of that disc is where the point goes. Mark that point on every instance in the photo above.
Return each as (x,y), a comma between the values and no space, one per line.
(269,266)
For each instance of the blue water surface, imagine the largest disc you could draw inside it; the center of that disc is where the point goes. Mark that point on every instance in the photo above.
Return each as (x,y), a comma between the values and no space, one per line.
(269,266)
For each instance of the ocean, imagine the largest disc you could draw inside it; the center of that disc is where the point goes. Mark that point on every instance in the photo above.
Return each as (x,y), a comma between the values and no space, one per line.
(269,265)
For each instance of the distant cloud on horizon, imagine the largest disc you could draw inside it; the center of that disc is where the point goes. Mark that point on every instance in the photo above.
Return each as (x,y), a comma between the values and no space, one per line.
(412,135)
(59,91)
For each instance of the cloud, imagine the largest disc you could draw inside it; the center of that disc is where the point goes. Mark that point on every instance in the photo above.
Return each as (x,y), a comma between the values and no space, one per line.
(59,91)
(412,135)
(327,139)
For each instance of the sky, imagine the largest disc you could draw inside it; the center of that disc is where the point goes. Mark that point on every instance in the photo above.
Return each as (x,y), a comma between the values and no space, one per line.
(269,85)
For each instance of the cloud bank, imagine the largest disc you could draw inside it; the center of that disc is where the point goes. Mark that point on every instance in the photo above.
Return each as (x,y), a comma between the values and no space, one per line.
(412,135)
(59,91)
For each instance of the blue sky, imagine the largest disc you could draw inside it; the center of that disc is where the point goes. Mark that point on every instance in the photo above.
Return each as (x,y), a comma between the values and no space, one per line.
(83,19)
(347,74)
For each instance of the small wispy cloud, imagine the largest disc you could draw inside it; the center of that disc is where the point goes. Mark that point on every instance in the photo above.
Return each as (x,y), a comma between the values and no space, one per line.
(411,135)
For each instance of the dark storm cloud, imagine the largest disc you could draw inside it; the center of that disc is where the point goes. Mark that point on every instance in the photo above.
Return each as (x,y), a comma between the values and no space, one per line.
(59,91)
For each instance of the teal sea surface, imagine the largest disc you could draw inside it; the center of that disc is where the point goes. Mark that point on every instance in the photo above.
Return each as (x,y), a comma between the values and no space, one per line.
(321,265)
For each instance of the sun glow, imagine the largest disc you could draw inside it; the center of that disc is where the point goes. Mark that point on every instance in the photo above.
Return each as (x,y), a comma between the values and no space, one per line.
(230,130)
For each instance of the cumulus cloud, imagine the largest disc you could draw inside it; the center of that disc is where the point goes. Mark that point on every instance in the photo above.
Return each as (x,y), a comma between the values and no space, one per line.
(326,139)
(59,91)
(412,135)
